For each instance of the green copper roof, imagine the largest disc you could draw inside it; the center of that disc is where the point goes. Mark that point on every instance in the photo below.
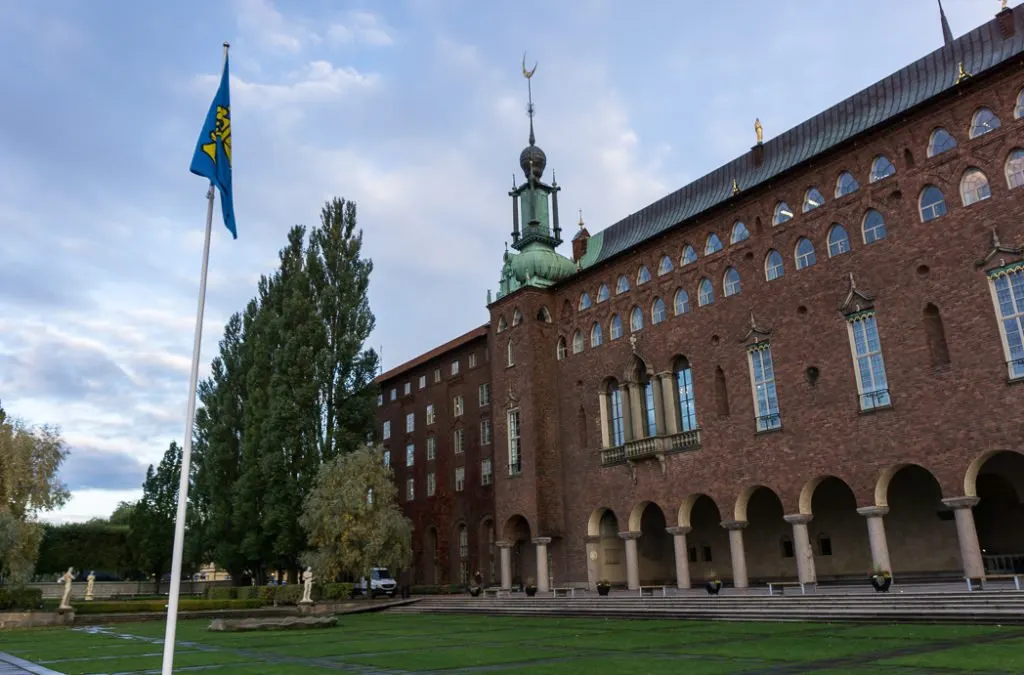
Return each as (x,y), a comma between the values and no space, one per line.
(980,50)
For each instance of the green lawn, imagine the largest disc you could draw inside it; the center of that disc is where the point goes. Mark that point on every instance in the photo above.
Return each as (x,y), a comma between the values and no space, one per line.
(394,643)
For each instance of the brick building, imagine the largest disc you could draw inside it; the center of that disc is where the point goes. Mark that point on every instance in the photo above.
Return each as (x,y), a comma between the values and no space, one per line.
(806,364)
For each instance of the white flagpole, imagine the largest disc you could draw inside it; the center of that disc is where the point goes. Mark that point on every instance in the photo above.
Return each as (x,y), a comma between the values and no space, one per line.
(186,451)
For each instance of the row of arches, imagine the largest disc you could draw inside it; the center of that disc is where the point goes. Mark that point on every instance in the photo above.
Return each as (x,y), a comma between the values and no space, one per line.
(454,556)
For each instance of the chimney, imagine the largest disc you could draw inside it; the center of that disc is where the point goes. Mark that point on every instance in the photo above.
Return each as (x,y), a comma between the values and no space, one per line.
(1004,20)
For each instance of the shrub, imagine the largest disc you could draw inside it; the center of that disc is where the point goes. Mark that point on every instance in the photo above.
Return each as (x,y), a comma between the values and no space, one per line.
(288,595)
(338,591)
(221,592)
(161,606)
(19,598)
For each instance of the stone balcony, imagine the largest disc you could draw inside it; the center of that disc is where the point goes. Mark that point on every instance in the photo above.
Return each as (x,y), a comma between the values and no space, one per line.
(655,447)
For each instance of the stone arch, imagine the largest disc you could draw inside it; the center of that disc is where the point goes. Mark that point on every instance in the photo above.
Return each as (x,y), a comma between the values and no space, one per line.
(518,533)
(920,528)
(975,467)
(461,552)
(637,368)
(885,479)
(997,479)
(594,522)
(762,509)
(685,516)
(603,534)
(838,534)
(743,500)
(655,547)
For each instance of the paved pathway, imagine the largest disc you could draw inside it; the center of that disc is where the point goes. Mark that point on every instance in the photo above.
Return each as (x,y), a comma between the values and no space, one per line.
(12,665)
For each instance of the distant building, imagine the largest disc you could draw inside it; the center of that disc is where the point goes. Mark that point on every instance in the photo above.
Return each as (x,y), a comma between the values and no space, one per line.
(808,363)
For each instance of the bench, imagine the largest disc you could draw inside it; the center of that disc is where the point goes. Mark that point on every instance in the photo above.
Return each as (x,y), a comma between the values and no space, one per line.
(649,590)
(781,587)
(497,591)
(989,577)
(564,592)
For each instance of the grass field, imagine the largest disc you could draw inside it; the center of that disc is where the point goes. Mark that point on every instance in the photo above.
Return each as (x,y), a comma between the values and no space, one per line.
(382,643)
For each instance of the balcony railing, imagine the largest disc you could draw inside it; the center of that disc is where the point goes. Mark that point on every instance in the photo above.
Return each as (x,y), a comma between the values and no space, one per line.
(872,400)
(653,447)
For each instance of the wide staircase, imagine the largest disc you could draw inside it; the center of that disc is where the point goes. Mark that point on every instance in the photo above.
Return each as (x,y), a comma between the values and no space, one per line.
(934,603)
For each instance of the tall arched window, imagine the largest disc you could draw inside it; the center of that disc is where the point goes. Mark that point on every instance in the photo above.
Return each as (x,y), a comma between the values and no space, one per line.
(1015,168)
(615,328)
(936,335)
(713,244)
(658,311)
(686,402)
(622,285)
(940,141)
(616,431)
(881,168)
(602,293)
(774,267)
(636,319)
(846,184)
(974,186)
(804,253)
(643,275)
(812,199)
(681,302)
(511,351)
(984,121)
(560,350)
(838,241)
(517,317)
(647,401)
(689,255)
(665,266)
(782,213)
(596,335)
(931,204)
(577,342)
(1018,110)
(873,227)
(584,301)
(731,282)
(739,233)
(705,293)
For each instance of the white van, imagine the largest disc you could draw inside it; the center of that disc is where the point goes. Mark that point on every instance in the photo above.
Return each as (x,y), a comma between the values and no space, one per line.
(381,583)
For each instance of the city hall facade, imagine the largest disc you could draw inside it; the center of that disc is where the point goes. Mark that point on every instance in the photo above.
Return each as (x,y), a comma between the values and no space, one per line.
(806,365)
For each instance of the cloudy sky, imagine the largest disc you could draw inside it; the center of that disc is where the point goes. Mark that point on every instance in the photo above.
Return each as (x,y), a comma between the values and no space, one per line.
(415,109)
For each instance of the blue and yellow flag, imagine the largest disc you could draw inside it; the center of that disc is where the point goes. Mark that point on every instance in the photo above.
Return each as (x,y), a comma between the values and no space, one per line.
(212,158)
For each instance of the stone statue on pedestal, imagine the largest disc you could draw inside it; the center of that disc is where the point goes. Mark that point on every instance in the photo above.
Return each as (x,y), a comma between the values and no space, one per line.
(307,590)
(91,579)
(67,578)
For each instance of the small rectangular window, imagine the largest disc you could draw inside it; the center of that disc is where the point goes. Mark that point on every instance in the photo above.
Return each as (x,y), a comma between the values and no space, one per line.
(410,489)
(485,394)
(410,454)
(387,458)
(423,381)
(486,475)
(485,432)
(455,367)
(437,375)
(387,430)
(457,406)
(431,448)
(431,484)
(431,417)
(394,393)
(472,360)
(460,478)
(458,439)
(410,422)
(380,399)
(406,388)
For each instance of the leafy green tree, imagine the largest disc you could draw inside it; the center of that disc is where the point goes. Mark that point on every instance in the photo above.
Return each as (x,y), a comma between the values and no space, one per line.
(29,460)
(95,545)
(152,521)
(352,517)
(122,514)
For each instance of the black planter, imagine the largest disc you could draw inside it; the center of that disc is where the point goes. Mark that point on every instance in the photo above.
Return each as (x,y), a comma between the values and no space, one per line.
(603,590)
(474,591)
(883,585)
(712,587)
(531,591)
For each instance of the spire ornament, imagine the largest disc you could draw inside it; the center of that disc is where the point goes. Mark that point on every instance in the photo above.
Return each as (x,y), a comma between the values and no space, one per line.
(962,73)
(735,187)
(758,130)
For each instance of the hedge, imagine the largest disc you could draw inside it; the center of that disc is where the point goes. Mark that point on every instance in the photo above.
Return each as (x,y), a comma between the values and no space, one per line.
(161,606)
(282,595)
(18,598)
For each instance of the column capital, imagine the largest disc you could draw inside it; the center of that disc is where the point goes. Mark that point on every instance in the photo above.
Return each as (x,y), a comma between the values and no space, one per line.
(734,524)
(873,511)
(504,544)
(541,541)
(961,502)
(629,535)
(664,373)
(681,530)
(798,518)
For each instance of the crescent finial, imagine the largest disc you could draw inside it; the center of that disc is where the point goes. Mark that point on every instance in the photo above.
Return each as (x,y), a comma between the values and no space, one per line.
(528,73)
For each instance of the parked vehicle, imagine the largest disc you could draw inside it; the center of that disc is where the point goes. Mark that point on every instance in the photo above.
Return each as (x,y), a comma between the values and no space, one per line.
(381,583)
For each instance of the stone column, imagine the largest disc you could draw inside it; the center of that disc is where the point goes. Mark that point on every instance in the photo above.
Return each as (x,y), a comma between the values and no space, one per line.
(506,563)
(632,562)
(593,546)
(627,412)
(542,563)
(659,406)
(802,548)
(636,407)
(669,397)
(970,550)
(876,536)
(682,555)
(739,556)
(602,397)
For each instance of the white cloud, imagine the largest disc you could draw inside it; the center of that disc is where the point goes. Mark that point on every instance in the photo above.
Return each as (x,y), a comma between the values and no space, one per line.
(86,504)
(361,27)
(260,19)
(316,82)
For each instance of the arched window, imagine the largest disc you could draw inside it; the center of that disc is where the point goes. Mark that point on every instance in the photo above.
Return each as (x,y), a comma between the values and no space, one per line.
(974,186)
(881,168)
(812,199)
(577,342)
(713,244)
(643,275)
(1015,168)
(584,301)
(502,324)
(517,317)
(681,302)
(622,285)
(804,253)
(658,311)
(774,267)
(873,227)
(560,350)
(511,353)
(984,121)
(1018,110)
(931,204)
(650,420)
(731,282)
(940,142)
(739,233)
(616,431)
(705,293)
(596,335)
(689,255)
(686,402)
(602,293)
(782,213)
(615,328)
(665,266)
(544,315)
(936,335)
(846,184)
(636,319)
(838,241)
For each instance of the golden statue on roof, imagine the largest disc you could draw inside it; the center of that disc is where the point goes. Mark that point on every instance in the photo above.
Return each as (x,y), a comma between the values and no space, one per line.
(759,130)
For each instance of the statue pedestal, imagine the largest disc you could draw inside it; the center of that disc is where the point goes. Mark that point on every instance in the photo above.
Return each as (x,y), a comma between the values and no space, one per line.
(305,606)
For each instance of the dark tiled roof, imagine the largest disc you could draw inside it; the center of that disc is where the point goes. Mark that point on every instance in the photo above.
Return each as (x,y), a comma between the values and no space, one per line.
(981,49)
(451,345)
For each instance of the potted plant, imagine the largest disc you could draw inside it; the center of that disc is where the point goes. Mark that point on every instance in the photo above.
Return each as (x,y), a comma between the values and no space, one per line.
(712,584)
(603,587)
(881,580)
(531,588)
